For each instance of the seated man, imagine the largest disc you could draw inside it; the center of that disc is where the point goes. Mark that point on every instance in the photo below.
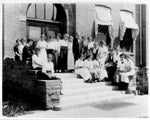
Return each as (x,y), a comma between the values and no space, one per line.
(36,62)
(111,66)
(123,71)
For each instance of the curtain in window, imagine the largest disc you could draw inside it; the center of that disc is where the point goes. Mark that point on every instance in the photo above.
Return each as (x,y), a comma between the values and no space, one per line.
(104,17)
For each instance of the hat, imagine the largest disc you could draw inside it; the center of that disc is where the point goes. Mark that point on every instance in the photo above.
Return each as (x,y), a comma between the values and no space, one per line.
(43,36)
(66,35)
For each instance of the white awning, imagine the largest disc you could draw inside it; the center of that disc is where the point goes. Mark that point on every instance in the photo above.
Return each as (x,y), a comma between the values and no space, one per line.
(103,15)
(127,21)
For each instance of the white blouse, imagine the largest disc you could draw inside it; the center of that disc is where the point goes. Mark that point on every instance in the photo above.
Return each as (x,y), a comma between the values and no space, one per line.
(79,64)
(51,45)
(48,66)
(36,61)
(41,44)
(88,64)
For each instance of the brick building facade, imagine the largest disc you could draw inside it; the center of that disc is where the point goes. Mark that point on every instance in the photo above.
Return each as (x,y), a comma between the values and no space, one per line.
(78,18)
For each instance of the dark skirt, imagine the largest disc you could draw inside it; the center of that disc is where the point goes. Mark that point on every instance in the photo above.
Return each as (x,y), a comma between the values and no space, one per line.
(63,58)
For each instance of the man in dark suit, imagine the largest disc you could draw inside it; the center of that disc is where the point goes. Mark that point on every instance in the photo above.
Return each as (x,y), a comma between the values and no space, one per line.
(28,51)
(76,50)
(111,66)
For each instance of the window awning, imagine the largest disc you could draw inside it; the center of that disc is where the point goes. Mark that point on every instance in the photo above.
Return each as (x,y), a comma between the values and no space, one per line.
(103,15)
(127,21)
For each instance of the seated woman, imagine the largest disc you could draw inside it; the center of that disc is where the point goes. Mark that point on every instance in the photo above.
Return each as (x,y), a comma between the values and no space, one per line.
(36,62)
(88,63)
(99,66)
(80,70)
(48,70)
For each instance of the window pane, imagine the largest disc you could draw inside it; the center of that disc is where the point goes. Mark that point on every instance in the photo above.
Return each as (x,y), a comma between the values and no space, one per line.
(34,32)
(49,11)
(40,11)
(31,11)
(55,12)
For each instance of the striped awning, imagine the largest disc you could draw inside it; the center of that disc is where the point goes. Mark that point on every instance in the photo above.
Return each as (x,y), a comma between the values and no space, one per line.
(127,21)
(103,15)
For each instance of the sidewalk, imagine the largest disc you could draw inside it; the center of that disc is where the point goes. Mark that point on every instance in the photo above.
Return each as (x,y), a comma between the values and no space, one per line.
(137,108)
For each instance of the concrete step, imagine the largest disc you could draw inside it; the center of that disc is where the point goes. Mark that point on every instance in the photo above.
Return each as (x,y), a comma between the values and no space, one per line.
(87,102)
(65,75)
(79,85)
(89,96)
(70,92)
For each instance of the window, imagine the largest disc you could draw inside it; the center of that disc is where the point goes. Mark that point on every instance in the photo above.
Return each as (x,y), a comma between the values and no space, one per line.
(42,11)
(128,30)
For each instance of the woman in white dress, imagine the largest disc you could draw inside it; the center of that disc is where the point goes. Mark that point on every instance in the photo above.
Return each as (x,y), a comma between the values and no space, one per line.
(42,45)
(88,63)
(103,71)
(70,58)
(103,50)
(81,70)
(20,49)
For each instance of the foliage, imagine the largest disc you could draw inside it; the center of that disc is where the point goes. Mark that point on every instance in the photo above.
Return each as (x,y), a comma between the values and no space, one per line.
(18,88)
(142,81)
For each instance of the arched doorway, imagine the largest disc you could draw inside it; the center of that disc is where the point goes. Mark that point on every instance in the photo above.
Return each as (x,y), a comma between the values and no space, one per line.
(48,19)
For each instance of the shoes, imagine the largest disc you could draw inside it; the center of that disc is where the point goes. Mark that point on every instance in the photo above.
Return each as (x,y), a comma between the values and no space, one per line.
(88,81)
(61,93)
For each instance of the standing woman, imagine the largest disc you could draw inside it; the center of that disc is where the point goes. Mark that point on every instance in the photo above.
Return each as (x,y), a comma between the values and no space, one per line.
(63,53)
(70,59)
(42,45)
(51,49)
(103,50)
(20,49)
(58,44)
(90,45)
(85,46)
(16,51)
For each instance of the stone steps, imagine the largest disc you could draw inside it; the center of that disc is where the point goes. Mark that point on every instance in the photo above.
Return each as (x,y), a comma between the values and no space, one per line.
(78,94)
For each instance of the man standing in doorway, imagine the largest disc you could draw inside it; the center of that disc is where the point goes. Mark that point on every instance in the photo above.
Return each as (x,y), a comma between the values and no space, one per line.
(77,46)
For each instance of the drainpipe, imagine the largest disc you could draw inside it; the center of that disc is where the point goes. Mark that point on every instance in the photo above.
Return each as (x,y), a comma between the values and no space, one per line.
(140,35)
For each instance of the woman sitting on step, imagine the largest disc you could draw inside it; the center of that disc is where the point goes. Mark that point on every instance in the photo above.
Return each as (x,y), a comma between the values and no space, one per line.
(81,70)
(48,70)
(99,67)
(36,61)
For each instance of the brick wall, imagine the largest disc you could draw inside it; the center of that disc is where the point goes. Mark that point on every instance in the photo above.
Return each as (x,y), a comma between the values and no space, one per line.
(14,26)
(85,16)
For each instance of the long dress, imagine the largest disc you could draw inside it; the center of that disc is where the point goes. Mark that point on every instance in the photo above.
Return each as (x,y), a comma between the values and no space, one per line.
(102,52)
(42,55)
(80,70)
(63,55)
(103,70)
(70,61)
(89,65)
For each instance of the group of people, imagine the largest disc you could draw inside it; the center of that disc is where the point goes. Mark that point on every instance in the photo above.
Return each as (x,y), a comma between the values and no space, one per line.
(92,60)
